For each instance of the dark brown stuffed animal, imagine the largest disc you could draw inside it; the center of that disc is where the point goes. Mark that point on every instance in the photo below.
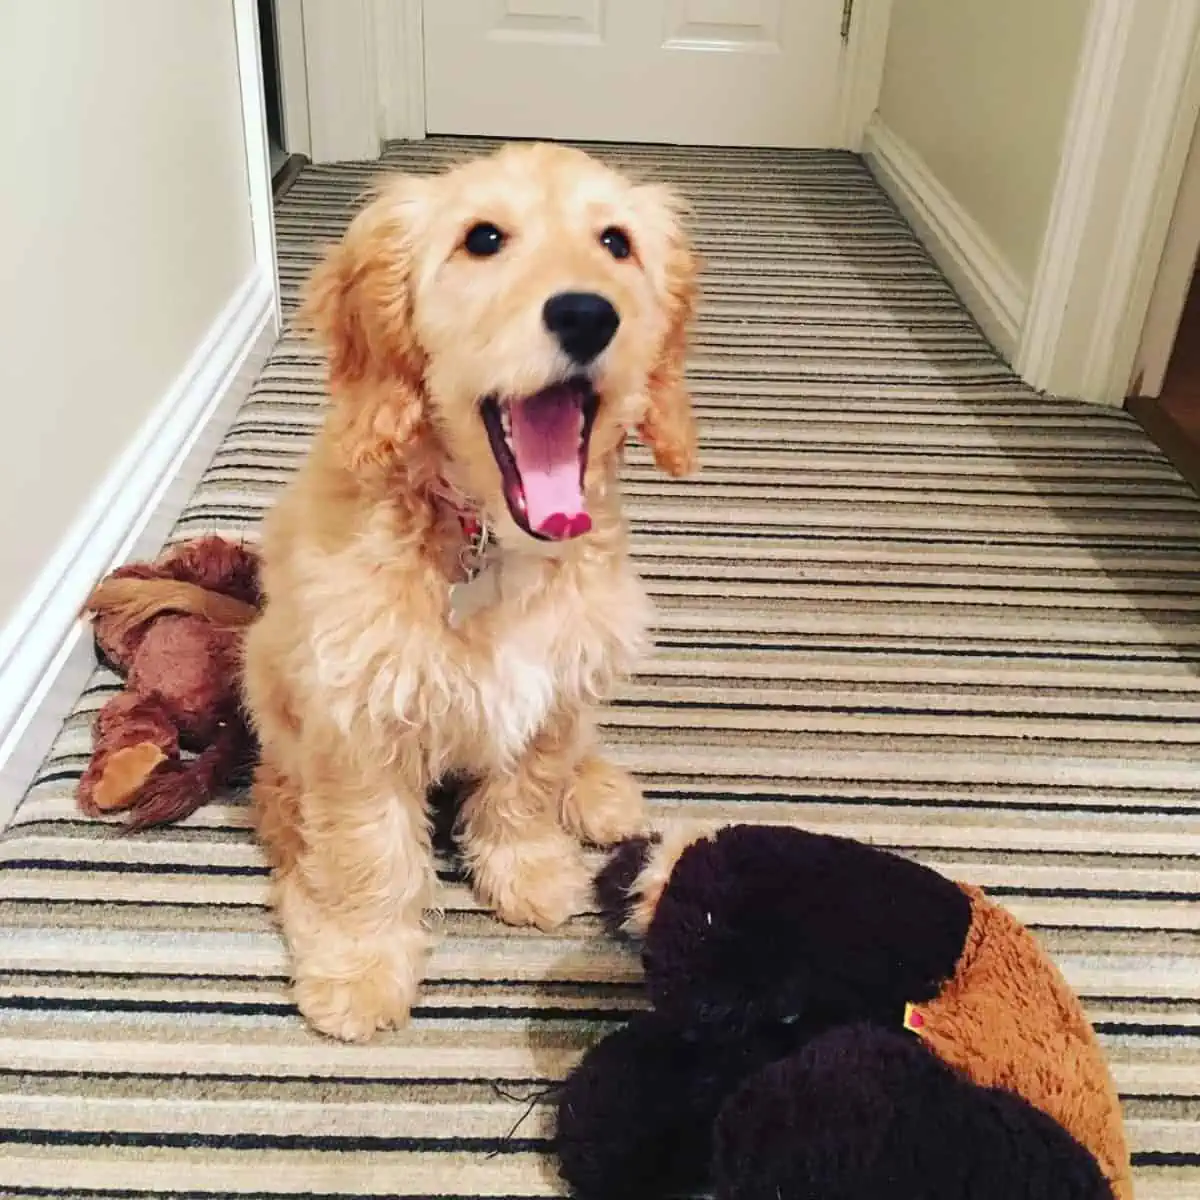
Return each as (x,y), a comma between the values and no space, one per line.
(830,1020)
(174,630)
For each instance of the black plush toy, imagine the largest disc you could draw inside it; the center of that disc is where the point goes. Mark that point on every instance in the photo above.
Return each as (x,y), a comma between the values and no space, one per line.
(832,1022)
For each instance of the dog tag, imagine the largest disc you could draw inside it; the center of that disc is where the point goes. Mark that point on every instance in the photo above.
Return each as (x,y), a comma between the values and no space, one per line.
(474,595)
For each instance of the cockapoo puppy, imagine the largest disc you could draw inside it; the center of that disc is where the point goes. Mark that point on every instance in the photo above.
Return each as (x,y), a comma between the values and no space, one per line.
(447,581)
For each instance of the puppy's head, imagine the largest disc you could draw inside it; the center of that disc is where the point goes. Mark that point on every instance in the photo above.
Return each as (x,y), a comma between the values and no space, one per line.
(509,322)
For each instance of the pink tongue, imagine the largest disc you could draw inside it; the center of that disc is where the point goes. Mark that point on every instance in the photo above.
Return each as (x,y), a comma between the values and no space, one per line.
(546,429)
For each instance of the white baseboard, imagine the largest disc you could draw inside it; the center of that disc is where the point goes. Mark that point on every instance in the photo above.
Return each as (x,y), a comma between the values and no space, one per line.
(45,655)
(989,286)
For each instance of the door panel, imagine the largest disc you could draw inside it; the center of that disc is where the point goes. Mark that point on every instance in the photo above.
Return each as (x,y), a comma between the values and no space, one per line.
(700,72)
(549,21)
(723,25)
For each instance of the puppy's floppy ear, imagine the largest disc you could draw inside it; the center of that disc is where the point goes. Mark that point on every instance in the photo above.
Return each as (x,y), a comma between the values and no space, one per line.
(358,303)
(669,426)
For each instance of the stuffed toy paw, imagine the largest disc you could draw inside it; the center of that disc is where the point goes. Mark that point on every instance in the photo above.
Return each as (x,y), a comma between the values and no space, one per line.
(901,1036)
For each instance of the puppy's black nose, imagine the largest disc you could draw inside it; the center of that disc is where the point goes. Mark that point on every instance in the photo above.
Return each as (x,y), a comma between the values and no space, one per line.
(583,323)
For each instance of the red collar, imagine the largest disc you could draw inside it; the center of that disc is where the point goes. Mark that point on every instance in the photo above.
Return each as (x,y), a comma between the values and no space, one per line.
(470,519)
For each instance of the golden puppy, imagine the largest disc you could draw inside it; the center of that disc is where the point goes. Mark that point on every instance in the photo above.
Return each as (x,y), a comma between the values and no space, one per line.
(447,581)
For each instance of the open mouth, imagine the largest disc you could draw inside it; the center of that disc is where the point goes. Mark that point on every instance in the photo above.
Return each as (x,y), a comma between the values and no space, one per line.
(541,447)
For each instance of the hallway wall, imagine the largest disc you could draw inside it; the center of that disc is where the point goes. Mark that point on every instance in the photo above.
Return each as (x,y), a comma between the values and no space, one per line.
(980,90)
(127,225)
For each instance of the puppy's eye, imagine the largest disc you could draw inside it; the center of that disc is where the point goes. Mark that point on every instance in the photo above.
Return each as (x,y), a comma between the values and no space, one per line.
(616,242)
(483,240)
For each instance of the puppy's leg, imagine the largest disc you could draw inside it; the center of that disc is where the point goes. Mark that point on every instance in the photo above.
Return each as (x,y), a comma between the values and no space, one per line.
(353,877)
(603,804)
(524,864)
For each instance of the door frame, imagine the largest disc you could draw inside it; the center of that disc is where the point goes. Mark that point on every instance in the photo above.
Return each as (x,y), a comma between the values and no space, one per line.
(1119,180)
(293,76)
(1172,284)
(353,73)
(247,35)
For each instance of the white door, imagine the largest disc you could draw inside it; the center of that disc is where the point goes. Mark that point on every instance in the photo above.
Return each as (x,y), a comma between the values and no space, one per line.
(694,72)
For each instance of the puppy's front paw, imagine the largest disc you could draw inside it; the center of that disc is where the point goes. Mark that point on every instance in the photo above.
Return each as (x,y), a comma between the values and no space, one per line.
(604,804)
(535,883)
(353,994)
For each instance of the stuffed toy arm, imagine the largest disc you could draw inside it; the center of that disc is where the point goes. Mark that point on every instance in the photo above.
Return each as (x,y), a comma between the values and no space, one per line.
(134,735)
(635,1118)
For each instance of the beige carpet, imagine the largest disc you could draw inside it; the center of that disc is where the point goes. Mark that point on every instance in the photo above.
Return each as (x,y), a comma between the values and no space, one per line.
(908,601)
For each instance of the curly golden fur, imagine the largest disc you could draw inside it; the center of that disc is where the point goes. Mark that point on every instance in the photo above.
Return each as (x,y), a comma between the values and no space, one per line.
(362,690)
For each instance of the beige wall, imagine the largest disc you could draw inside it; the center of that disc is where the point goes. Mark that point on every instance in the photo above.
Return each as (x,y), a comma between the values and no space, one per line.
(124,230)
(980,90)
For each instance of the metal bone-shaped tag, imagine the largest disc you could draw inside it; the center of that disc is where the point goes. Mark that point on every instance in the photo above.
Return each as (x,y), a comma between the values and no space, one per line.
(475,594)
(480,586)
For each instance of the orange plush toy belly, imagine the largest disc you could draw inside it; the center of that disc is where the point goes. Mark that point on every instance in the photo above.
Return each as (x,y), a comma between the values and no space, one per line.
(833,1021)
(1007,1019)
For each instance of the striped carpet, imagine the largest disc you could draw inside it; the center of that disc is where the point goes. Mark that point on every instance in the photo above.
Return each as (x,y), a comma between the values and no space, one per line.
(908,601)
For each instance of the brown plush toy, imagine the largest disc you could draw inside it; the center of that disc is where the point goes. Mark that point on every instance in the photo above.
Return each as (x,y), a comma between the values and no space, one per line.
(831,1020)
(174,630)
